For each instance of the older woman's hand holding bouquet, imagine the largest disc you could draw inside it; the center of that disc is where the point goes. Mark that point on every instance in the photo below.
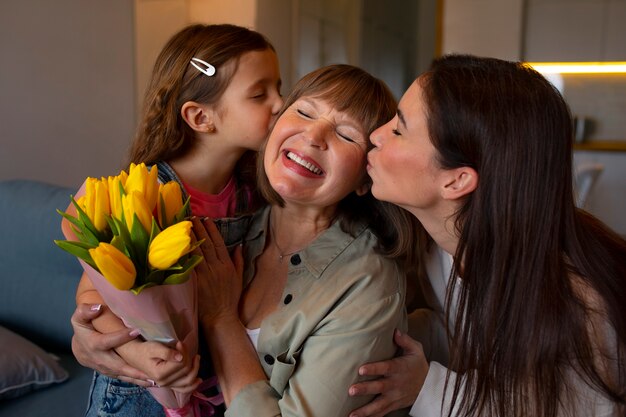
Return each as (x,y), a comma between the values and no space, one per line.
(132,237)
(219,275)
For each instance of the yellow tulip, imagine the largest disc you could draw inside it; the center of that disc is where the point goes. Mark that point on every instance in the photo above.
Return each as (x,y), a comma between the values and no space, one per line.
(115,196)
(170,196)
(134,203)
(123,177)
(144,182)
(116,267)
(81,202)
(96,202)
(169,245)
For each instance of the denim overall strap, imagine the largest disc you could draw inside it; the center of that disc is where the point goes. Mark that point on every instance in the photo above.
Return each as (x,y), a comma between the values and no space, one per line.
(242,203)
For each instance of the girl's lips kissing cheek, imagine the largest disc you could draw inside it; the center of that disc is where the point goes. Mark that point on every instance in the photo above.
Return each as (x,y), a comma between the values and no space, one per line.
(302,165)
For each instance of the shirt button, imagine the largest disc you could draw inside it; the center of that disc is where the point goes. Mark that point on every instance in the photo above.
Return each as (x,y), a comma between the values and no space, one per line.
(288,299)
(295,259)
(269,359)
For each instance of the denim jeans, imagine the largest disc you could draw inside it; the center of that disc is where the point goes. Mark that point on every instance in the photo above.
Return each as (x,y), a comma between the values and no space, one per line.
(111,397)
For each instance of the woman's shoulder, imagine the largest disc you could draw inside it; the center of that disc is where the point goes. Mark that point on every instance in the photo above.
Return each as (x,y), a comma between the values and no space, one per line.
(354,262)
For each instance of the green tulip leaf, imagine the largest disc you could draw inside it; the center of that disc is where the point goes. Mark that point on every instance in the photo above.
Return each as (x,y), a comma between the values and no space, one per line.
(195,245)
(78,249)
(187,268)
(179,278)
(137,290)
(163,212)
(113,226)
(156,277)
(140,239)
(155,229)
(118,242)
(124,235)
(175,268)
(79,228)
(88,225)
(183,213)
(122,190)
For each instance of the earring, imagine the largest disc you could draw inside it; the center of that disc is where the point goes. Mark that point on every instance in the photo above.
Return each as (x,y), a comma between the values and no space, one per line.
(210,129)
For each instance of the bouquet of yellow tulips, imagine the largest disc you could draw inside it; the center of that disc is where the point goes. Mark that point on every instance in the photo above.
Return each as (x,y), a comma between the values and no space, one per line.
(119,236)
(130,235)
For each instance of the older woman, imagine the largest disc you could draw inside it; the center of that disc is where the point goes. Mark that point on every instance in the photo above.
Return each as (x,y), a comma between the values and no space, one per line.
(480,152)
(320,292)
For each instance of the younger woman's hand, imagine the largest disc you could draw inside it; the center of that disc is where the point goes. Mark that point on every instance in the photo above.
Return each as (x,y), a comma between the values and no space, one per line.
(219,277)
(95,350)
(400,379)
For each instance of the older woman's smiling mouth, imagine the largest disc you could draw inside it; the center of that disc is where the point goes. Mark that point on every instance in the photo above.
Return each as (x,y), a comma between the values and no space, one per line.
(306,164)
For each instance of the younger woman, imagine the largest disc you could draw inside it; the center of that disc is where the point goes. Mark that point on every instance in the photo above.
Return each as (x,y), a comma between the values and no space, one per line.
(214,92)
(480,151)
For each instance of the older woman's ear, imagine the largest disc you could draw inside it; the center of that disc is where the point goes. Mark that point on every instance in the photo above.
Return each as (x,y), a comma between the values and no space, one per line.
(459,182)
(363,188)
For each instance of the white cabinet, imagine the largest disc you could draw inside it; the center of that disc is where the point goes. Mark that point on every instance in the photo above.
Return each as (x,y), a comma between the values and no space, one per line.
(575,30)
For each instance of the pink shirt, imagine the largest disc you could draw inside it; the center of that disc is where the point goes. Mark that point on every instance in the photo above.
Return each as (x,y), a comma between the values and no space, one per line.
(219,205)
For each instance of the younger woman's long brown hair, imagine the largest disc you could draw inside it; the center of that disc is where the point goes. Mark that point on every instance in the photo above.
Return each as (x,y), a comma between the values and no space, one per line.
(541,279)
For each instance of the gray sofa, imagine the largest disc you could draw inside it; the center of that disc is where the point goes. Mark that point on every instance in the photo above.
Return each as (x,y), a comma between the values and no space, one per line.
(37,287)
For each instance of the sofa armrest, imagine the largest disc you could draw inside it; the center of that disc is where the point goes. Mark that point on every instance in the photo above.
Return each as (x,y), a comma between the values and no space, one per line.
(38,279)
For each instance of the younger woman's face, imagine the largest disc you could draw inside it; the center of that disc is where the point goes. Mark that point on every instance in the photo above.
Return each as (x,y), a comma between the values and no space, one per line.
(251,101)
(315,155)
(403,165)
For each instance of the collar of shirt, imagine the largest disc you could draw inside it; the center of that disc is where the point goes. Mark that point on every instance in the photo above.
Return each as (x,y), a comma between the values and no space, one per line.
(315,258)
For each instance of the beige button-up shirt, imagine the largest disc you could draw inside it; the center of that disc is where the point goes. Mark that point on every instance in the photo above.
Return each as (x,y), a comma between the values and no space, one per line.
(340,306)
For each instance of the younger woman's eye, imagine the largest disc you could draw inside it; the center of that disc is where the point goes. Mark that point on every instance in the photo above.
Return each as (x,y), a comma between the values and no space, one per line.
(396,132)
(259,95)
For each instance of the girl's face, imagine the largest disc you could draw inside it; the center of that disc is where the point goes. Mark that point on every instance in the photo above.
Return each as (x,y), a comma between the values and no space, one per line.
(251,101)
(315,155)
(403,165)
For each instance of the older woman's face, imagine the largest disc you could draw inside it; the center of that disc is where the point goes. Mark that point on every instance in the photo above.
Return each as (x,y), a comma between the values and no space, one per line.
(315,154)
(402,165)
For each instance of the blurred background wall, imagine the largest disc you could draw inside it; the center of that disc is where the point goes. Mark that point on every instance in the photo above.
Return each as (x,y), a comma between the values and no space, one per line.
(73,72)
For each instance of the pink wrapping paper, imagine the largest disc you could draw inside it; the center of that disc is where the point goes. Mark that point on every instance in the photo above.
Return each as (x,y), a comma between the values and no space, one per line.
(164,313)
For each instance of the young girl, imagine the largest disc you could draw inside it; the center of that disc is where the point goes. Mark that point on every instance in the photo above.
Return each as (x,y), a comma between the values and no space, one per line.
(214,92)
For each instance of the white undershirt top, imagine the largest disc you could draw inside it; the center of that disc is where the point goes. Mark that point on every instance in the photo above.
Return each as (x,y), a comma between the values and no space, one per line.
(253,334)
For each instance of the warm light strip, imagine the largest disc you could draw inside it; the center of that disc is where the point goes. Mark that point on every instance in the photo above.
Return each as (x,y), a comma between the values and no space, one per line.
(578,67)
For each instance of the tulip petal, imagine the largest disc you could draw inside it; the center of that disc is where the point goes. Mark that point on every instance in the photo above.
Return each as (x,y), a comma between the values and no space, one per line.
(114,265)
(168,246)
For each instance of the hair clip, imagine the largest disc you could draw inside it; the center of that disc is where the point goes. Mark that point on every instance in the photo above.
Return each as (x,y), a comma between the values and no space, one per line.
(208,70)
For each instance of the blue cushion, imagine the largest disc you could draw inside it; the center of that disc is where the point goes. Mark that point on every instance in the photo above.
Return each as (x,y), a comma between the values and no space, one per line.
(37,278)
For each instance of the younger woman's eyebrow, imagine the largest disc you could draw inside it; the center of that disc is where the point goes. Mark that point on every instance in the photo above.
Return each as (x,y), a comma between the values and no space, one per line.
(401,117)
